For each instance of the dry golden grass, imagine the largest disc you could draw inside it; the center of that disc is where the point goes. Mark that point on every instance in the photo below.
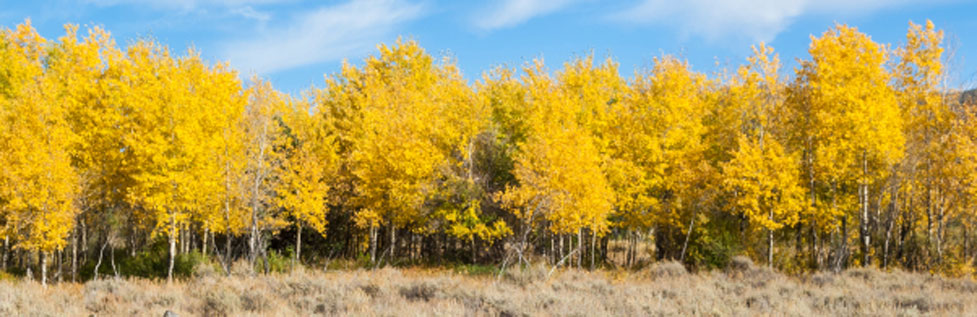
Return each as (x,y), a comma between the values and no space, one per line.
(661,289)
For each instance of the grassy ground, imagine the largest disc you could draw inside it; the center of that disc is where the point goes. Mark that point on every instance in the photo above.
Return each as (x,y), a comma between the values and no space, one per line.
(662,289)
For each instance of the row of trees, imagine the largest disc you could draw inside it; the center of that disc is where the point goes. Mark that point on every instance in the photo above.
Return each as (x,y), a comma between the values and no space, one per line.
(862,157)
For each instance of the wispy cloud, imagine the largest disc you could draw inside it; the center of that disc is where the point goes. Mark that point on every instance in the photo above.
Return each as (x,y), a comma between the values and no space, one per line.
(510,13)
(319,35)
(757,20)
(251,13)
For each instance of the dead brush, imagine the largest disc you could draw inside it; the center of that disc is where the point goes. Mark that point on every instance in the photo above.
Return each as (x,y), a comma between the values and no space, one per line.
(665,288)
(668,269)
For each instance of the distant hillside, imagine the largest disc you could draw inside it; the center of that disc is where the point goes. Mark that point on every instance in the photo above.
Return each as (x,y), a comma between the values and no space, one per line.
(969,97)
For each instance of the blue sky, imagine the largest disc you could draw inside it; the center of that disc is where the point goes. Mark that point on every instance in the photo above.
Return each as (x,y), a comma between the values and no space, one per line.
(294,43)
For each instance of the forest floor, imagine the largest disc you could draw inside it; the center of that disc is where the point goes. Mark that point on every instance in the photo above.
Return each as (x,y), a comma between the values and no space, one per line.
(661,289)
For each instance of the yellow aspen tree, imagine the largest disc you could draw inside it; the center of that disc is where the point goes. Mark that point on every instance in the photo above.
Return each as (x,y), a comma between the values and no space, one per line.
(340,114)
(505,98)
(263,148)
(761,176)
(167,140)
(89,81)
(219,100)
(855,134)
(595,90)
(673,102)
(558,168)
(40,189)
(309,167)
(937,151)
(635,160)
(406,136)
(465,137)
(231,216)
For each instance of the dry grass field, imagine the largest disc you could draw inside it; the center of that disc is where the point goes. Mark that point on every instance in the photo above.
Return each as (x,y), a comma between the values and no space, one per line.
(663,289)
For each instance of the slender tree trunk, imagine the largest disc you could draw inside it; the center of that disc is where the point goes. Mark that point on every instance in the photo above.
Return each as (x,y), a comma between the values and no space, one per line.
(173,233)
(115,270)
(604,241)
(350,241)
(393,240)
(815,241)
(580,248)
(59,259)
(227,253)
(593,247)
(183,239)
(688,236)
(203,243)
(132,240)
(28,263)
(815,238)
(939,231)
(264,254)
(632,251)
(101,253)
(799,243)
(373,243)
(770,241)
(889,224)
(43,268)
(966,242)
(843,250)
(561,247)
(74,256)
(929,221)
(864,225)
(298,245)
(253,238)
(227,217)
(84,241)
(6,253)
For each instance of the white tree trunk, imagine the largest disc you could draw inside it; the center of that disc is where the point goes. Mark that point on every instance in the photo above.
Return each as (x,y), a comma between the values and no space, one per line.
(169,272)
(44,268)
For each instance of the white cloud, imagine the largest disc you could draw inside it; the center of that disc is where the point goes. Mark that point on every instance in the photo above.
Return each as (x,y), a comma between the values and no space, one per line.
(251,13)
(319,35)
(514,12)
(758,20)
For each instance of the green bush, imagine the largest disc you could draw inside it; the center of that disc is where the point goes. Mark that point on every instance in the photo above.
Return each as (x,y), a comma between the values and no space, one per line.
(277,262)
(476,269)
(152,263)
